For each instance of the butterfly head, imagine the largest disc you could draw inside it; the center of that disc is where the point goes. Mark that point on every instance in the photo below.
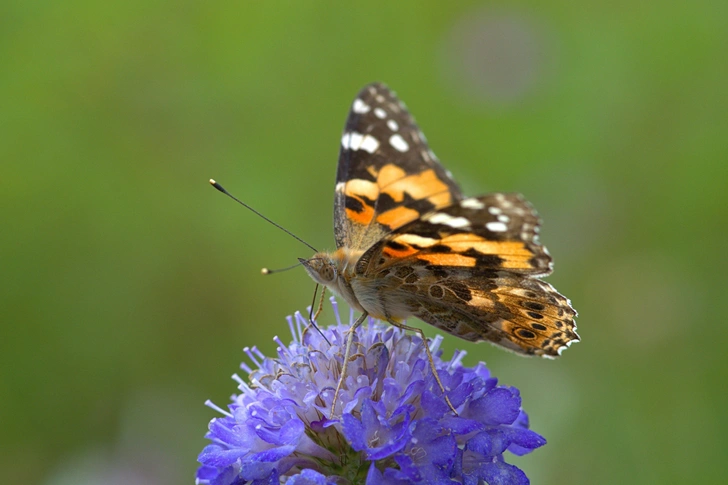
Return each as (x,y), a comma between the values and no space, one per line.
(333,270)
(322,268)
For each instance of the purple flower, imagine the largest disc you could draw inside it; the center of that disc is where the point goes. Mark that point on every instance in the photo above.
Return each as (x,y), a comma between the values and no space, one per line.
(392,427)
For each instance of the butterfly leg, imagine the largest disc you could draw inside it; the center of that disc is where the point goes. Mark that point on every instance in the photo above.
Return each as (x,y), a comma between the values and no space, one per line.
(347,355)
(312,318)
(320,306)
(425,342)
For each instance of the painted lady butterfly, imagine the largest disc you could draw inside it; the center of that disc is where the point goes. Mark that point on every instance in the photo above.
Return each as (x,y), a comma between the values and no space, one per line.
(409,243)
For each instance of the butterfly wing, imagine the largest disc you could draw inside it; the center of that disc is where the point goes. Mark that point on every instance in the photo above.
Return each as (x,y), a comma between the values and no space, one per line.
(387,175)
(490,233)
(471,270)
(522,314)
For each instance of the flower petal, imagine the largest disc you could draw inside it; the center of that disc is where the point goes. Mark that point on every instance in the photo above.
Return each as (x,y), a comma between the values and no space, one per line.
(499,406)
(433,405)
(500,473)
(215,456)
(307,477)
(354,432)
(271,479)
(523,441)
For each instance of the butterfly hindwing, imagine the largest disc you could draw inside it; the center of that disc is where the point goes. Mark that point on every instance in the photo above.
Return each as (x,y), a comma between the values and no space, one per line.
(519,313)
(387,175)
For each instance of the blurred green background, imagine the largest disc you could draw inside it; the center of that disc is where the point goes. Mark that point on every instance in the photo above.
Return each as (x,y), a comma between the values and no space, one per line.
(129,286)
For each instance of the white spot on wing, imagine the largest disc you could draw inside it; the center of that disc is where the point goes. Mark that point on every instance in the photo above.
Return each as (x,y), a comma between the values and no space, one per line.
(380,113)
(340,186)
(392,125)
(472,203)
(360,106)
(369,144)
(398,143)
(503,218)
(357,141)
(496,226)
(494,210)
(416,240)
(455,222)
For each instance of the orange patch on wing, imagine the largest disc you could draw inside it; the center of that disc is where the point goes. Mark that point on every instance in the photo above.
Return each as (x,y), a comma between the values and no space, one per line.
(440,200)
(515,254)
(517,263)
(512,248)
(502,248)
(401,253)
(419,186)
(444,259)
(359,187)
(364,217)
(388,174)
(397,217)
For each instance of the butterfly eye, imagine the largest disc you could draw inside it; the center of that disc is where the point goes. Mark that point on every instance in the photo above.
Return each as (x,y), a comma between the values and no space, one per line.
(331,272)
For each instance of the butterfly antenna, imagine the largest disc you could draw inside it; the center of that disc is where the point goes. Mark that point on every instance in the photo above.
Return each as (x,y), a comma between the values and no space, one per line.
(222,189)
(271,271)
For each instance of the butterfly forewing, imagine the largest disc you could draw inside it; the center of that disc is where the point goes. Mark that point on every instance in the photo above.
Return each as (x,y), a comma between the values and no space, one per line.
(480,234)
(387,175)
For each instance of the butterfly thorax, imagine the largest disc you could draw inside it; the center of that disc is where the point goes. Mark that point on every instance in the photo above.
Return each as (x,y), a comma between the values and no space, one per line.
(335,271)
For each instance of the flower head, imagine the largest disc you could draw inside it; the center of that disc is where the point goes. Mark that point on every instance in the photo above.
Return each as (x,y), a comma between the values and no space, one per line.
(393,425)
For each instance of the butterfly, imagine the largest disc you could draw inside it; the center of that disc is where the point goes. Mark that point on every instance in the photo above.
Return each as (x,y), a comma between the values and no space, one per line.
(409,244)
